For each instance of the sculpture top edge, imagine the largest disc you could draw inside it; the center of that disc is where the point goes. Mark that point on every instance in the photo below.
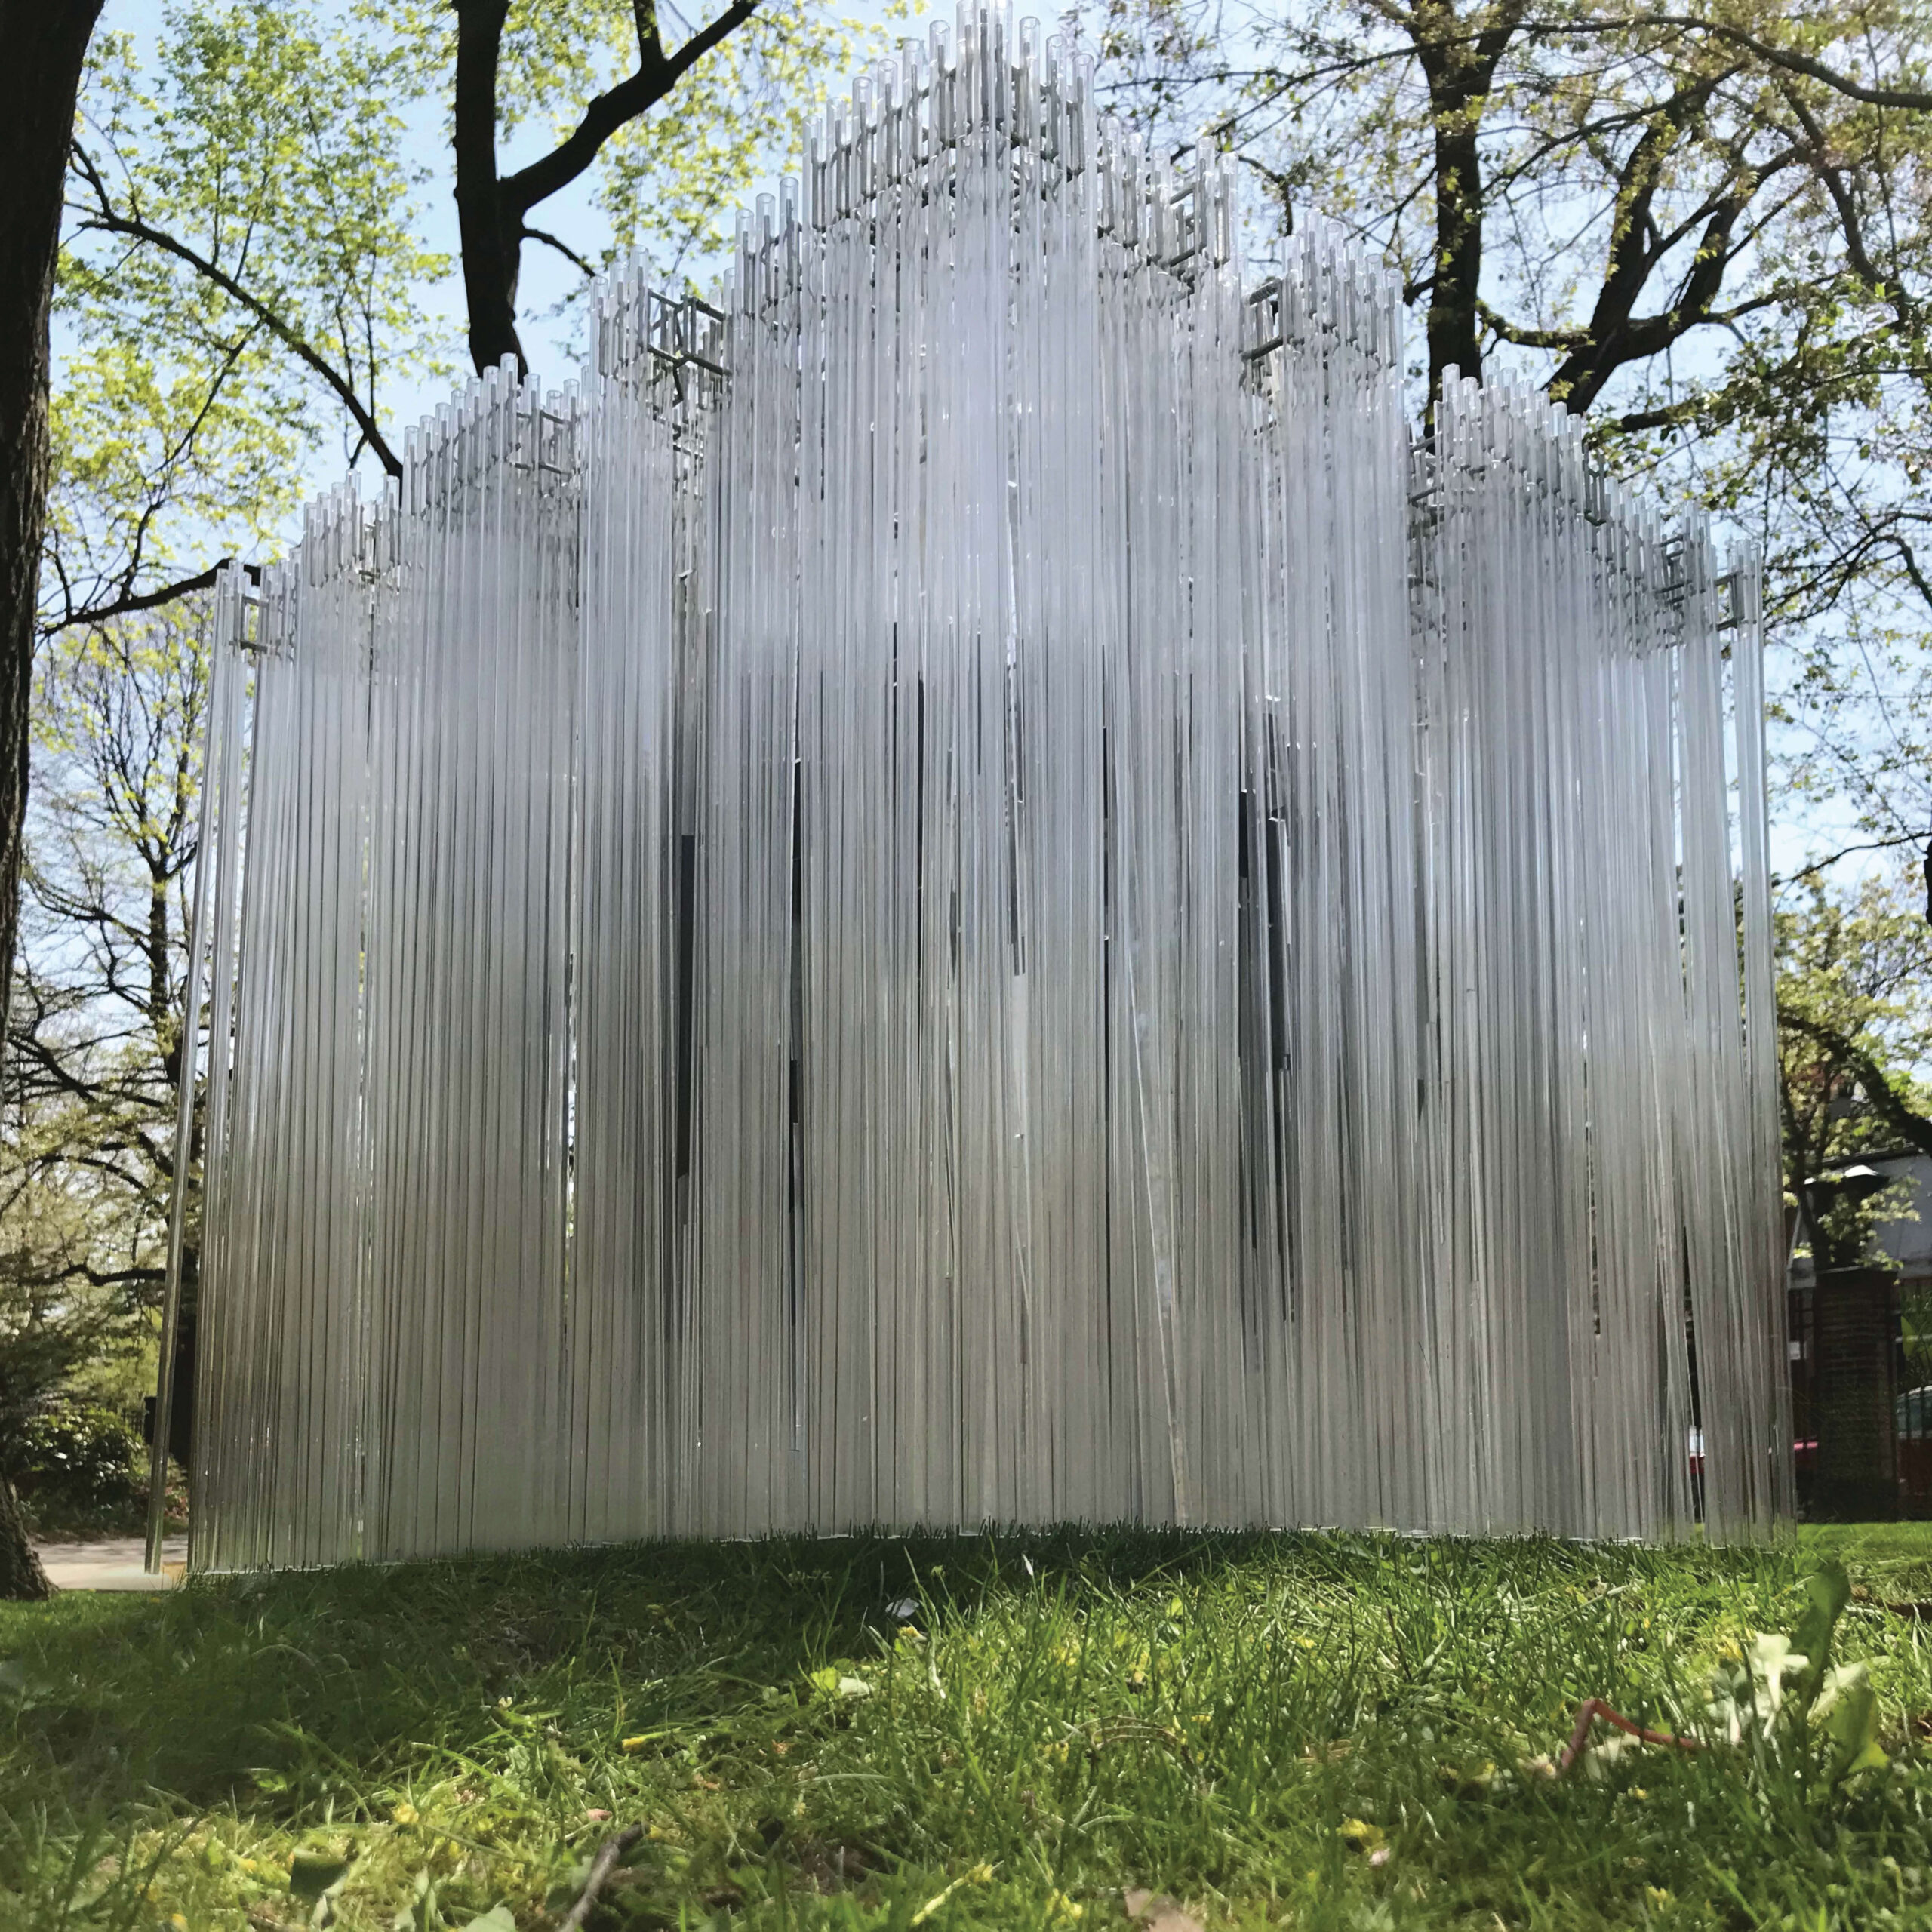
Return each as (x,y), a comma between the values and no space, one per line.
(912,128)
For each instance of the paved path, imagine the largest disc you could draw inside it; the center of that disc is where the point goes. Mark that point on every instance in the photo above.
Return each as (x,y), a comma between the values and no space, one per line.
(113,1565)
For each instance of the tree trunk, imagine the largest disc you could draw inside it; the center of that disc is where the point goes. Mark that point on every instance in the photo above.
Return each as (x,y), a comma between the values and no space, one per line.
(21,1579)
(1454,341)
(45,42)
(492,240)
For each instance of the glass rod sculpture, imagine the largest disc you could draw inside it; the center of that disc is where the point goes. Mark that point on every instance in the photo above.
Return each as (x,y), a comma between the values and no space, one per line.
(975,889)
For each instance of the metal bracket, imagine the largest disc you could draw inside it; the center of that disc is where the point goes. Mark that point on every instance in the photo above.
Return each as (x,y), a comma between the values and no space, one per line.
(1265,303)
(685,335)
(1729,589)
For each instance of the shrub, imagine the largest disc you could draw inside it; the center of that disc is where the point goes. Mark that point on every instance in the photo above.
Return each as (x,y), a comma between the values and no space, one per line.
(77,1459)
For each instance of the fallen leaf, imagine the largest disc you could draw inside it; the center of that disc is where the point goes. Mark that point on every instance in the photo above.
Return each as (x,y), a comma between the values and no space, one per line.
(1154,1912)
(828,1868)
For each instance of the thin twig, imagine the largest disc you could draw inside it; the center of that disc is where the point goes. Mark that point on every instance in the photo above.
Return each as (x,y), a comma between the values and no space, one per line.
(563,248)
(602,1866)
(1594,1708)
(134,602)
(1133,1730)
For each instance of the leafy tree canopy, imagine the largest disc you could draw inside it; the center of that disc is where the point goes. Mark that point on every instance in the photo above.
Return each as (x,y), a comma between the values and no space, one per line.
(1855,1051)
(1709,227)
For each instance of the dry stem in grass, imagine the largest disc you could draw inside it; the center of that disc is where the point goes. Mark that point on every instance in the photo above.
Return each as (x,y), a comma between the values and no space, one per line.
(602,1866)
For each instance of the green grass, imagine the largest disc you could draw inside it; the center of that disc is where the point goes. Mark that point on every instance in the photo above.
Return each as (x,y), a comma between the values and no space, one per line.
(1241,1722)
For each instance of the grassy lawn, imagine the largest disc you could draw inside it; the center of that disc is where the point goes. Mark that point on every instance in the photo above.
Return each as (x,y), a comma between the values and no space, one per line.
(1305,1730)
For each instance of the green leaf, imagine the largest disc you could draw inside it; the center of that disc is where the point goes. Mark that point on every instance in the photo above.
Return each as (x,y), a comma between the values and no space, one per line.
(1827,1591)
(496,1919)
(313,1873)
(832,1683)
(1734,1705)
(421,1915)
(1849,1707)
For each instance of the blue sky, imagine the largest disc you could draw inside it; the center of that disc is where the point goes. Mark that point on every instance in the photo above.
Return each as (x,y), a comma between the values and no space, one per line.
(545,277)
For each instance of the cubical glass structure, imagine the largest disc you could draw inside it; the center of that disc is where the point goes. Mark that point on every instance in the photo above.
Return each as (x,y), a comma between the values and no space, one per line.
(975,887)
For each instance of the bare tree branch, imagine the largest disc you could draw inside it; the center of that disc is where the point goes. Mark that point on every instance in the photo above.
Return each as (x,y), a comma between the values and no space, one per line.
(656,75)
(1910,98)
(104,218)
(147,600)
(1817,866)
(563,248)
